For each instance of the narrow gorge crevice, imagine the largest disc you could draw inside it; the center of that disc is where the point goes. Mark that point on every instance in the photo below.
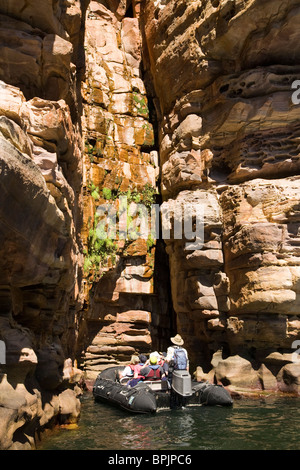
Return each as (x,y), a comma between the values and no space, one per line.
(127,299)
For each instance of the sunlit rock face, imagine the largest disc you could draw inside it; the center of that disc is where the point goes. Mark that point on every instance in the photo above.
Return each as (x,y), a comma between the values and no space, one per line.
(41,212)
(126,307)
(112,99)
(222,72)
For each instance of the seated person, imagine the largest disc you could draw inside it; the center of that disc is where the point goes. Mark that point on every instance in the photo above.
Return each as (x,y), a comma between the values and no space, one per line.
(130,370)
(141,364)
(136,372)
(153,371)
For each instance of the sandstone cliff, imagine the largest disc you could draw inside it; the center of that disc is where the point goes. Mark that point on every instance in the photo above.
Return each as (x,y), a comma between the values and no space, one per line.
(175,102)
(41,212)
(124,311)
(228,135)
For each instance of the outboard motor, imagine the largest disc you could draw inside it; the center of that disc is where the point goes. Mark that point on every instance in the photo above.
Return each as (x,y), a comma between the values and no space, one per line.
(181,388)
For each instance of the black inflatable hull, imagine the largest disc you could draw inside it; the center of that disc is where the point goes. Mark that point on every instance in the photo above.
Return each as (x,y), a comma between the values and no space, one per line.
(135,399)
(141,399)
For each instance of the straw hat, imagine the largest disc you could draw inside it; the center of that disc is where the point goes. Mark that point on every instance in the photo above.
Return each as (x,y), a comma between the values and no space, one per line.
(177,340)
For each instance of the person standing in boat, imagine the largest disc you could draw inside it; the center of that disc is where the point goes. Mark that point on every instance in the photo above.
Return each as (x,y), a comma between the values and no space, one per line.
(177,356)
(177,359)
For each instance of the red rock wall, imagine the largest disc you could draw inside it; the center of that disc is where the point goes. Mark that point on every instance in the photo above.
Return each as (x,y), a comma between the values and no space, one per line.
(125,310)
(228,136)
(188,99)
(40,215)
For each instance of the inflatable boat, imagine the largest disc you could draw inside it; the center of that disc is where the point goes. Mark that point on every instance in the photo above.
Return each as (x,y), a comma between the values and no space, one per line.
(150,396)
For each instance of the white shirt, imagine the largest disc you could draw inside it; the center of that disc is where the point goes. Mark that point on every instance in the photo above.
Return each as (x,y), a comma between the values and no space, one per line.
(170,353)
(127,372)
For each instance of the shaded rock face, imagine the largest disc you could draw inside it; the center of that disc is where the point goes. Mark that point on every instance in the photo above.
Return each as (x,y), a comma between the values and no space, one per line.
(41,212)
(222,74)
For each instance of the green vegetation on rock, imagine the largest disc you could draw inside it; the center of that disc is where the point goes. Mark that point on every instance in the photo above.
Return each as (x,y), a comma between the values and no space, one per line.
(99,249)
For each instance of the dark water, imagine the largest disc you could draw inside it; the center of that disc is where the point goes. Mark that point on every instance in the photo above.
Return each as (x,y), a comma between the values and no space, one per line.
(260,424)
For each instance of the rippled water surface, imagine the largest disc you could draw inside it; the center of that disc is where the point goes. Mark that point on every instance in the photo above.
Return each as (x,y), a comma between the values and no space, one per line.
(260,424)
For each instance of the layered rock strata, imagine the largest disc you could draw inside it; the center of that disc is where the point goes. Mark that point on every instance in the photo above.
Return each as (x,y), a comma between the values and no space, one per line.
(41,211)
(228,130)
(106,103)
(125,311)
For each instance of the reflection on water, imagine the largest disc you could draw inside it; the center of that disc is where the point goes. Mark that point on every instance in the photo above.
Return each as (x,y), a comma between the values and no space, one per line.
(270,424)
(159,433)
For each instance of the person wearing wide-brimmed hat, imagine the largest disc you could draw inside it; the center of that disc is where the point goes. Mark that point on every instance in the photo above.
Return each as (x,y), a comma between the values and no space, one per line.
(177,340)
(177,343)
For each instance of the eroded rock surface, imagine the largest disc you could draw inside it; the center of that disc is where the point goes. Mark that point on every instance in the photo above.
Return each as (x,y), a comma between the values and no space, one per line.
(117,98)
(125,313)
(41,211)
(228,131)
